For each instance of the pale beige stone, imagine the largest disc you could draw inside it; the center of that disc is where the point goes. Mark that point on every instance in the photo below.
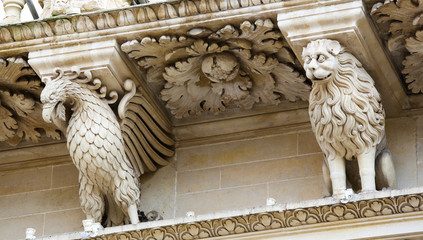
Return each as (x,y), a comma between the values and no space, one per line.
(64,221)
(419,126)
(65,175)
(301,26)
(219,200)
(224,84)
(237,152)
(48,151)
(14,228)
(328,65)
(419,150)
(297,190)
(401,137)
(38,202)
(12,10)
(25,180)
(307,143)
(158,191)
(201,180)
(274,170)
(117,146)
(54,8)
(419,174)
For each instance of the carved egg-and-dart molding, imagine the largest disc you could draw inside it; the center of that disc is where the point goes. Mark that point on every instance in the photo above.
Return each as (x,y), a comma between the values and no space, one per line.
(209,71)
(20,108)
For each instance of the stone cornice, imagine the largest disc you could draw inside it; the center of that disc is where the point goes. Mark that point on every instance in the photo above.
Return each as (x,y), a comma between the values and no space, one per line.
(133,21)
(363,209)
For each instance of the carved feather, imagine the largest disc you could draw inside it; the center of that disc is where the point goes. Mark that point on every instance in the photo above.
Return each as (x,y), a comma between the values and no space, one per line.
(146,132)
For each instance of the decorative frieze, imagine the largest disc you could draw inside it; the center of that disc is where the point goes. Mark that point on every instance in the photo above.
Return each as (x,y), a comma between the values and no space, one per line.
(208,71)
(20,109)
(122,17)
(259,222)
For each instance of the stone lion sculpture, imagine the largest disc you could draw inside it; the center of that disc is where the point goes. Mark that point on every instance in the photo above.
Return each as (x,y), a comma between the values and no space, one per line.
(347,119)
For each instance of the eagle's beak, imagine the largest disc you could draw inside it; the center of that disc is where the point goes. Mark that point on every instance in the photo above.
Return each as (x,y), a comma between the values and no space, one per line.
(48,109)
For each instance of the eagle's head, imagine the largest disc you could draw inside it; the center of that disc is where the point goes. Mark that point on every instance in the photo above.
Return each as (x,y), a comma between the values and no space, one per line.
(53,97)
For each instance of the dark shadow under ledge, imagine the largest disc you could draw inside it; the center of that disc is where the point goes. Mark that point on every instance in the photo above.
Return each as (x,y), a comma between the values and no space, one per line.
(389,214)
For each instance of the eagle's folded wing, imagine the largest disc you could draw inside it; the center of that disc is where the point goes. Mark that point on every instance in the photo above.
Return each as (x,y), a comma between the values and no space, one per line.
(147,133)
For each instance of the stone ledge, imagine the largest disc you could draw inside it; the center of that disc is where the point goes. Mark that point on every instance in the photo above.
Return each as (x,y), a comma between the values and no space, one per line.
(36,155)
(364,210)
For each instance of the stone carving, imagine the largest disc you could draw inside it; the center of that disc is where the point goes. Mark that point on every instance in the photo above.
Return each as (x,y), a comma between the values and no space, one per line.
(277,220)
(60,7)
(413,63)
(401,22)
(20,109)
(122,17)
(110,155)
(12,11)
(208,71)
(347,118)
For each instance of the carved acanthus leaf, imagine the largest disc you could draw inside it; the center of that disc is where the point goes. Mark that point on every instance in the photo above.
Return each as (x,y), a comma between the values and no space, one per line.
(210,71)
(20,110)
(413,65)
(150,53)
(403,18)
(402,21)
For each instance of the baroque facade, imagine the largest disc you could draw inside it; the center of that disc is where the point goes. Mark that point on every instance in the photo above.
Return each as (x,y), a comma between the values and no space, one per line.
(206,119)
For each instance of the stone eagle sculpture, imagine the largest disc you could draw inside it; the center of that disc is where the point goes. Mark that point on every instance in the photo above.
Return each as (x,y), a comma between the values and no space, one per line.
(109,154)
(348,119)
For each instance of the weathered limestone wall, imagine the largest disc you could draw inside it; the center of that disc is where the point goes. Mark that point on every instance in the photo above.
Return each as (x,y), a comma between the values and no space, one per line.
(284,166)
(245,173)
(203,178)
(44,198)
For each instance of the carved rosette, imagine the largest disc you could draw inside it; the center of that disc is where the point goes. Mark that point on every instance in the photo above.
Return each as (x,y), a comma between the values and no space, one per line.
(208,71)
(20,109)
(372,208)
(401,21)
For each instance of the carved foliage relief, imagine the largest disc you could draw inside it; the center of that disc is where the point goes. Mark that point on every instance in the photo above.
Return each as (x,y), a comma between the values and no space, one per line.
(208,71)
(20,109)
(403,21)
(277,220)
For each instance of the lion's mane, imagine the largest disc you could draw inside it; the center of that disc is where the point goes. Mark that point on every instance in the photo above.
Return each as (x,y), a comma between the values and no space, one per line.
(346,113)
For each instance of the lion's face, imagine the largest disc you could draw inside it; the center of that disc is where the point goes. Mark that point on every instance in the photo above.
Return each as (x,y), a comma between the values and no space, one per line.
(320,61)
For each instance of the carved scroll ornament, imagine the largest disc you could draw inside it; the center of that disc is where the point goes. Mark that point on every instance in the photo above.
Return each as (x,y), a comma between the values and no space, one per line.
(20,109)
(347,118)
(208,71)
(109,154)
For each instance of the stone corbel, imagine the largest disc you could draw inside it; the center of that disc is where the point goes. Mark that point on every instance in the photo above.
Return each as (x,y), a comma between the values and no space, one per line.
(110,150)
(347,23)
